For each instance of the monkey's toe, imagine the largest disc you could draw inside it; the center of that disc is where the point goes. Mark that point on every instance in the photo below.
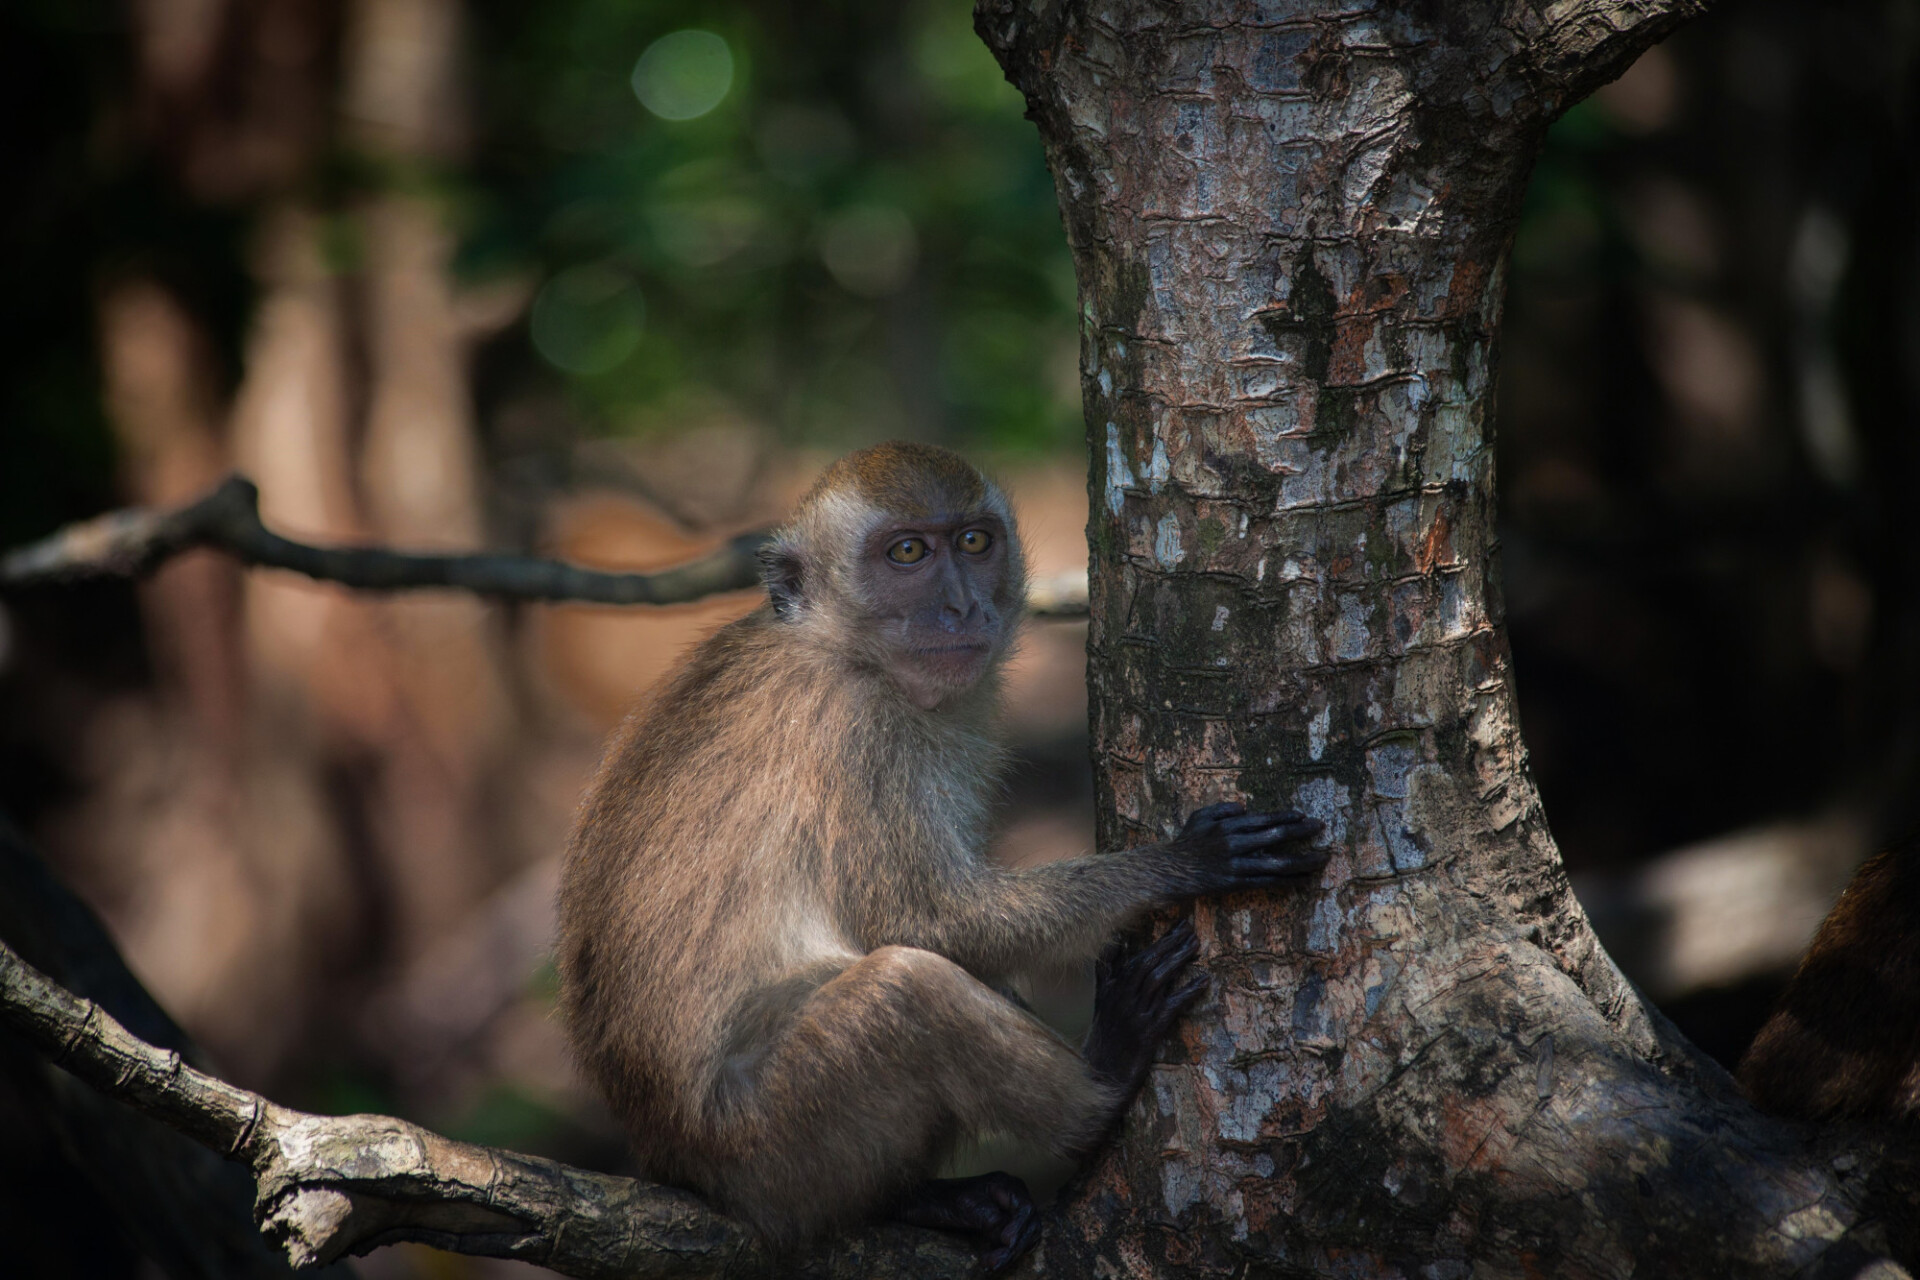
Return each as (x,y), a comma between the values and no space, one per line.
(1020,1233)
(996,1209)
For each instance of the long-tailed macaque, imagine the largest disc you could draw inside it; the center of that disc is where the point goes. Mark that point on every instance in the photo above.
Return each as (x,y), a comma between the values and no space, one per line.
(1844,1041)
(781,946)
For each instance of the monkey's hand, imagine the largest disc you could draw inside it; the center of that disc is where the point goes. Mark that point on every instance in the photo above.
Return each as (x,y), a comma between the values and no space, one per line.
(1228,848)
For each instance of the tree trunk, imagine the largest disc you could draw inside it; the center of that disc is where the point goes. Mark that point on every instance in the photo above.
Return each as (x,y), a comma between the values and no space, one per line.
(1290,223)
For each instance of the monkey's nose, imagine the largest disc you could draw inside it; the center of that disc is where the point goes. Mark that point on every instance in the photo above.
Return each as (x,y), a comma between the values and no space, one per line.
(956,602)
(959,614)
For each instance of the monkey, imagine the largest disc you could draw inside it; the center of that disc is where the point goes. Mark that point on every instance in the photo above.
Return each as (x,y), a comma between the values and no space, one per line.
(1843,1042)
(782,953)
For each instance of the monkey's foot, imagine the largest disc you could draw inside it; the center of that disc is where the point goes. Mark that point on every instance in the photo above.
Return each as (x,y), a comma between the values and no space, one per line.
(1136,999)
(995,1208)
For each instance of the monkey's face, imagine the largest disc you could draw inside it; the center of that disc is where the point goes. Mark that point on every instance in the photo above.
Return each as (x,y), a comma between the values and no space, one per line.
(902,557)
(942,594)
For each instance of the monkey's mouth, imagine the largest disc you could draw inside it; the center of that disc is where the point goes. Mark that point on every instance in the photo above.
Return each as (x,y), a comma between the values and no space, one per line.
(961,662)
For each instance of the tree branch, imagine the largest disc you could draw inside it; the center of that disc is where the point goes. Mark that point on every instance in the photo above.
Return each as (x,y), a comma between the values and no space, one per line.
(179,1205)
(137,541)
(126,543)
(1579,45)
(329,1186)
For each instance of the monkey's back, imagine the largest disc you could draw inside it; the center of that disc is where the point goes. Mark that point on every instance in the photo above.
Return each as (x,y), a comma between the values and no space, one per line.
(736,839)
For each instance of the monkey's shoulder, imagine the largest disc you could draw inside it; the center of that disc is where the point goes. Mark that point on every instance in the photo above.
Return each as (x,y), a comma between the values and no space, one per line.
(754,698)
(716,699)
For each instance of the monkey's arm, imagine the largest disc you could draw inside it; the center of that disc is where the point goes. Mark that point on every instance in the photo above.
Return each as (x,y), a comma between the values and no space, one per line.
(998,921)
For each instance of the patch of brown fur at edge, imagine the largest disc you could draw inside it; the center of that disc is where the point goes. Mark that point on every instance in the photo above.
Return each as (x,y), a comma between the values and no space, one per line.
(1844,1041)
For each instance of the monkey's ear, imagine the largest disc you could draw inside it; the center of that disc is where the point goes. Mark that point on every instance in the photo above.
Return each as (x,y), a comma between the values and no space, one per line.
(780,570)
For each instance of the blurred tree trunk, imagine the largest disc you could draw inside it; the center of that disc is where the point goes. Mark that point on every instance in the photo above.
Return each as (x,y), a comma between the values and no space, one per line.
(239,904)
(1290,223)
(316,770)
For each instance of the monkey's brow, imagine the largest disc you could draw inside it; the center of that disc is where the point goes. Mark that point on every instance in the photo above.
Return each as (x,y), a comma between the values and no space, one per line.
(938,522)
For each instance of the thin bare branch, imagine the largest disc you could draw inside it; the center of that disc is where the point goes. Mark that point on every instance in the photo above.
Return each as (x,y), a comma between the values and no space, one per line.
(329,1186)
(125,543)
(136,541)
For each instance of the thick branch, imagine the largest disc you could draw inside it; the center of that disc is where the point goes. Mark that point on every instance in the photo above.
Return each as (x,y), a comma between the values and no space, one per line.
(178,1204)
(1579,45)
(331,1186)
(136,541)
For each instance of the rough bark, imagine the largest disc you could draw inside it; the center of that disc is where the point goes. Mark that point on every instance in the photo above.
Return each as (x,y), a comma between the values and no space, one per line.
(1290,222)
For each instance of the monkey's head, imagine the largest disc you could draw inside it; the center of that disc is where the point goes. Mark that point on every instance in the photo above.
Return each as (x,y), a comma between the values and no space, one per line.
(905,558)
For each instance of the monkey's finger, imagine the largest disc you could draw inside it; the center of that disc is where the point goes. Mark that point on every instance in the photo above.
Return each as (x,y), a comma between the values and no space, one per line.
(1021,1233)
(1180,931)
(1148,956)
(1293,820)
(1171,961)
(1214,813)
(1141,975)
(1189,991)
(1248,841)
(1248,822)
(1176,1003)
(1279,866)
(1260,821)
(1309,859)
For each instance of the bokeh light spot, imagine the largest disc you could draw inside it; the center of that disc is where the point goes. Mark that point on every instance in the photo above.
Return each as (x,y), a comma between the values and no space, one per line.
(684,74)
(869,249)
(587,319)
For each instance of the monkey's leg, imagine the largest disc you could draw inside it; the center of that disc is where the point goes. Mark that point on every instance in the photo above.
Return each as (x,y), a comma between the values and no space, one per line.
(850,1104)
(1137,998)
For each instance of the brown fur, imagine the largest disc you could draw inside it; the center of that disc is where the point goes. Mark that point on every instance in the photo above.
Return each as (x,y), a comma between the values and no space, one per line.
(1844,1042)
(778,934)
(913,480)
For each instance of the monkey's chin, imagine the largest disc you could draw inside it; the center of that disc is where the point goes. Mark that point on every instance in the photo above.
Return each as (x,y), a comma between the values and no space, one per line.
(932,675)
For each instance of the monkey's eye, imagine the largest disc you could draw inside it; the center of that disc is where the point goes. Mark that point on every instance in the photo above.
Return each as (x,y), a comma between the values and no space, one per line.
(907,551)
(975,542)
